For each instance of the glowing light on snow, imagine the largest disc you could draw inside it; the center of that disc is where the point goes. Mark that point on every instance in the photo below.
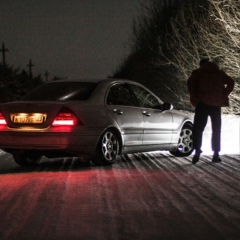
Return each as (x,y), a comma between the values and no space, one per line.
(230,137)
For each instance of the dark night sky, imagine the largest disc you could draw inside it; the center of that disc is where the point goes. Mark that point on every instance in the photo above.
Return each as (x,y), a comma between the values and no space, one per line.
(69,38)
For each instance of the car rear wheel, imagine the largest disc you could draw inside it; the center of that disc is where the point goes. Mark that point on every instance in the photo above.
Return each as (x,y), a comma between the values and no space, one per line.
(185,142)
(108,148)
(27,159)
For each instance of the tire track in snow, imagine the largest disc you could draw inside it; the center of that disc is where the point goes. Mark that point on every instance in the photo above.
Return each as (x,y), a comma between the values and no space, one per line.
(221,173)
(213,213)
(232,170)
(214,191)
(173,195)
(143,196)
(160,193)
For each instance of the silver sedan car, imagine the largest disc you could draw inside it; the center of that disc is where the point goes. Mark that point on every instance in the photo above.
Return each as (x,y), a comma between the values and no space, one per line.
(97,120)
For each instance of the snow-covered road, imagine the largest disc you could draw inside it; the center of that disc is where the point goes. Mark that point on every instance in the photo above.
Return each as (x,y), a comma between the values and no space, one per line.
(143,196)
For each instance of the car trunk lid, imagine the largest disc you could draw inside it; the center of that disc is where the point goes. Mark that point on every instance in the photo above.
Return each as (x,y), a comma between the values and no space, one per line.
(32,114)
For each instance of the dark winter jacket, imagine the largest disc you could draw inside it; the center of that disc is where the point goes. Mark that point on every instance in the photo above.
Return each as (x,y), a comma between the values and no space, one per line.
(210,85)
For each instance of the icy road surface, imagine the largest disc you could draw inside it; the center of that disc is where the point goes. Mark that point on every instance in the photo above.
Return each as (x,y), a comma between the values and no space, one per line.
(143,196)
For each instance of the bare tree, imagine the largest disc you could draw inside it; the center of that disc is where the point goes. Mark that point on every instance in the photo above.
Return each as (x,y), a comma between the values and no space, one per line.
(213,32)
(227,14)
(151,22)
(171,36)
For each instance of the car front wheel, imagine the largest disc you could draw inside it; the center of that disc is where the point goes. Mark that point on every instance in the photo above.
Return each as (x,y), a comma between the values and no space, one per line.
(107,149)
(26,159)
(185,142)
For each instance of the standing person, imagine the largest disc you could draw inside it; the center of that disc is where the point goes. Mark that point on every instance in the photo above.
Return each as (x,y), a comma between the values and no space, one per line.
(209,88)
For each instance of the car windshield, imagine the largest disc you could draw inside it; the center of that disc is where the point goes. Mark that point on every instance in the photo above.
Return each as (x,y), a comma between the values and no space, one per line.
(61,91)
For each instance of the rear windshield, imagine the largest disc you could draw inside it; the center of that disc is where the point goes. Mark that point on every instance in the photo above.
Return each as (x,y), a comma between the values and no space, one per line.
(61,91)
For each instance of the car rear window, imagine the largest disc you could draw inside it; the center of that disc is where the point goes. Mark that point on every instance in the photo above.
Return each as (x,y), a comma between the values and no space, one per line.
(61,91)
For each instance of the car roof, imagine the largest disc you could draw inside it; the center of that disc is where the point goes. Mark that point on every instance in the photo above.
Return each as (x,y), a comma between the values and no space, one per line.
(95,80)
(78,80)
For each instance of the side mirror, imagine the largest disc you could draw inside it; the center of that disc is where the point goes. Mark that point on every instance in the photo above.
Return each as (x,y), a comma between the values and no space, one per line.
(167,106)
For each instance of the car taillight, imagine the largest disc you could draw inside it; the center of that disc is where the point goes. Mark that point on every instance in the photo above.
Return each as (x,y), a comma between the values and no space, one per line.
(65,119)
(2,120)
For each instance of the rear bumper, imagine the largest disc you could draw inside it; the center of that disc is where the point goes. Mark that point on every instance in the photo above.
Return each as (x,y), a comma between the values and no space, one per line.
(84,144)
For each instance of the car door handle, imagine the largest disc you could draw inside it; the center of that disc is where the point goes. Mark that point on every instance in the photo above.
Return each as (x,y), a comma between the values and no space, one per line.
(117,111)
(147,114)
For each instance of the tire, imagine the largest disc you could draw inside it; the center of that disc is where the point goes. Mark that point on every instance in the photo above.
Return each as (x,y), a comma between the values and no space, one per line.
(185,142)
(107,150)
(27,159)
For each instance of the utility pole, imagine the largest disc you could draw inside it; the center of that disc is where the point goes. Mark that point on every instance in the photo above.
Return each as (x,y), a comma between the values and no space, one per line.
(30,65)
(46,75)
(3,50)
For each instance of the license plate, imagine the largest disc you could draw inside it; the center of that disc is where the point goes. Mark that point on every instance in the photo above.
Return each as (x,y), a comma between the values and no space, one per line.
(23,118)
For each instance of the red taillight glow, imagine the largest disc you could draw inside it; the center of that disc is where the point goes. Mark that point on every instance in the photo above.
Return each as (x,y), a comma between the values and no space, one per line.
(65,119)
(2,120)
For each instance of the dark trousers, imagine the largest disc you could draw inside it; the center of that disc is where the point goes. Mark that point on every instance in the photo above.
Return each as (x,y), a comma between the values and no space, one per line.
(202,112)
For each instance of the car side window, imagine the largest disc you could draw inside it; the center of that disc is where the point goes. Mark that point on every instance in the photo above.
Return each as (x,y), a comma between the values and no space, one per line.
(144,98)
(119,94)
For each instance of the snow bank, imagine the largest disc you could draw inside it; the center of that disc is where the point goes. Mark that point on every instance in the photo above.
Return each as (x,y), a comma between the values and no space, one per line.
(230,140)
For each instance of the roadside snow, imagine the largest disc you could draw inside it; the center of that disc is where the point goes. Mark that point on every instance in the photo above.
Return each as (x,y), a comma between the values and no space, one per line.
(230,138)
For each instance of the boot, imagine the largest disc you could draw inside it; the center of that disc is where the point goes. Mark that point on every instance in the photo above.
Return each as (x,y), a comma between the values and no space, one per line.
(196,156)
(216,159)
